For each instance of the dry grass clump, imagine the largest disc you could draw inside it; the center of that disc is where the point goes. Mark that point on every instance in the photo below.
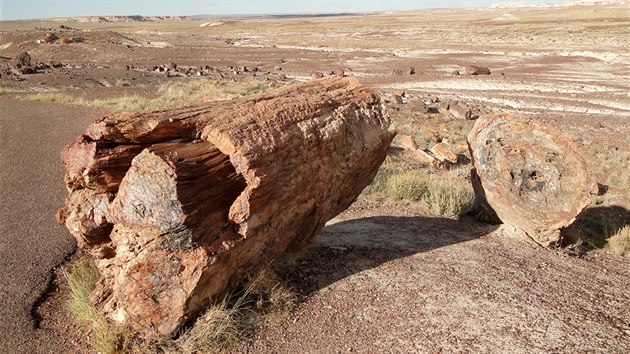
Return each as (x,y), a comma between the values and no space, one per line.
(171,94)
(619,180)
(220,328)
(225,324)
(104,337)
(82,280)
(6,89)
(619,243)
(445,194)
(600,227)
(272,297)
(119,104)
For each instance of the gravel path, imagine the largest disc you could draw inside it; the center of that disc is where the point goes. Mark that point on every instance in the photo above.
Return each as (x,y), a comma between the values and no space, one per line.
(31,189)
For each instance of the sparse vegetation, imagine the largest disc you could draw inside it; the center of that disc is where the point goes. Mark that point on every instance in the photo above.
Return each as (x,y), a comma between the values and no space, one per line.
(619,243)
(272,297)
(226,323)
(222,326)
(6,89)
(600,228)
(104,337)
(171,94)
(446,195)
(219,328)
(82,281)
(620,180)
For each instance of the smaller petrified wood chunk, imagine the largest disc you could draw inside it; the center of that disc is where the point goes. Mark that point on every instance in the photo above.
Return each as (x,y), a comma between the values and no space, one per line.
(97,165)
(86,217)
(531,175)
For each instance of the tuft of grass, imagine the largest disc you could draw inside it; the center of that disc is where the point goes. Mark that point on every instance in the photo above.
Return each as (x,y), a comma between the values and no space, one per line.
(619,180)
(7,89)
(445,194)
(272,297)
(108,338)
(225,324)
(82,280)
(619,243)
(171,94)
(245,88)
(220,328)
(411,185)
(104,337)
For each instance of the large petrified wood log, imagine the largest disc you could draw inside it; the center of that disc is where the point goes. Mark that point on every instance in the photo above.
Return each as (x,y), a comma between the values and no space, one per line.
(530,175)
(199,197)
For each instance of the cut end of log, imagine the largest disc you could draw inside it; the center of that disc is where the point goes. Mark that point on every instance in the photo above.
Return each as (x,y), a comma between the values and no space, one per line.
(531,175)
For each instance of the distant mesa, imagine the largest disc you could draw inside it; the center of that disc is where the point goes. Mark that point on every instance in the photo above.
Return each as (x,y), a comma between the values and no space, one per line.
(107,19)
(525,4)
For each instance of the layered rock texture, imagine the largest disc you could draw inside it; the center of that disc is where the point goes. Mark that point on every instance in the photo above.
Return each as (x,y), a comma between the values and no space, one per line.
(179,205)
(530,175)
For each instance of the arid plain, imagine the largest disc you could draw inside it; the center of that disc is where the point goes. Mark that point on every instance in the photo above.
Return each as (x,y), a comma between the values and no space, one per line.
(395,272)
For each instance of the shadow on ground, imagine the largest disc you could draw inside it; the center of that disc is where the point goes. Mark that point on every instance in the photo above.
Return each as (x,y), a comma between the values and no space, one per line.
(595,225)
(352,246)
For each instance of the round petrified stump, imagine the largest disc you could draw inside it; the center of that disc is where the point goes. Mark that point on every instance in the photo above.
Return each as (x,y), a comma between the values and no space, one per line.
(530,175)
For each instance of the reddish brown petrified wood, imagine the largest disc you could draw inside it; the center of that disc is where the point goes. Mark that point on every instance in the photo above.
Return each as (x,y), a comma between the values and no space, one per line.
(181,204)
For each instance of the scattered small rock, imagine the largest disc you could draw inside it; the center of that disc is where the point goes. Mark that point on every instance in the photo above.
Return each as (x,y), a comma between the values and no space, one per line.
(68,40)
(425,157)
(409,142)
(50,37)
(432,135)
(20,60)
(104,83)
(477,70)
(338,73)
(444,154)
(432,110)
(316,75)
(461,110)
(401,97)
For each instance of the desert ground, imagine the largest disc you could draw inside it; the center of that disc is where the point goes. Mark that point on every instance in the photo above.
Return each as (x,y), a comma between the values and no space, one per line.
(391,274)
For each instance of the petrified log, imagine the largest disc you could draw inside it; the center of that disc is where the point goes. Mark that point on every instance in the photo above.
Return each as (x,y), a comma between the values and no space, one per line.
(202,196)
(530,175)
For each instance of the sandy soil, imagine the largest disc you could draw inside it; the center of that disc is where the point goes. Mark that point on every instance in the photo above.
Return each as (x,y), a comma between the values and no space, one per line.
(384,276)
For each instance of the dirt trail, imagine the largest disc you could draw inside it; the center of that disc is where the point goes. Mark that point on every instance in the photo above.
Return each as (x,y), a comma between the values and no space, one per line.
(384,280)
(31,190)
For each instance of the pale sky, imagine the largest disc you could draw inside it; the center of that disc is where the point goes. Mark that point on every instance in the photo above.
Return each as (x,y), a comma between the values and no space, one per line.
(28,9)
